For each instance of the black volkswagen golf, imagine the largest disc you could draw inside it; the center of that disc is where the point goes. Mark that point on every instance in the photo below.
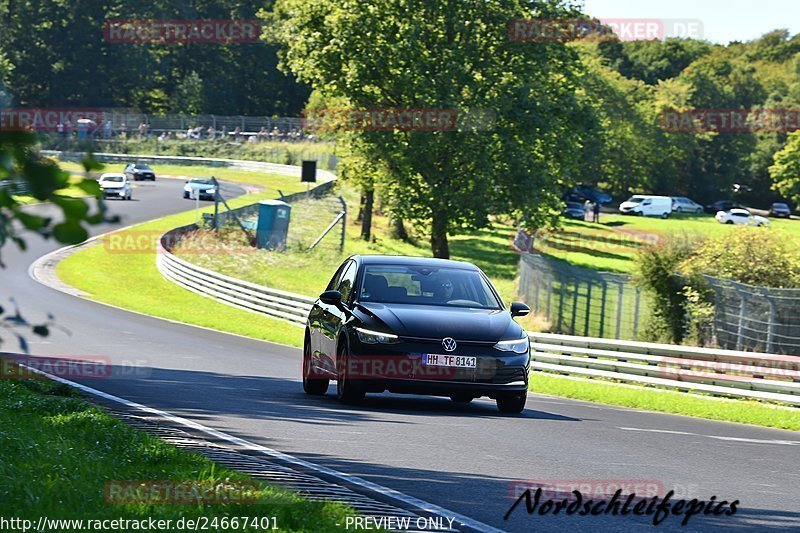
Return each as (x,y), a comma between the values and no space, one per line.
(417,326)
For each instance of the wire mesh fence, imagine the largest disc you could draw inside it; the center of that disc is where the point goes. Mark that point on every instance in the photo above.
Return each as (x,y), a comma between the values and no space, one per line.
(580,301)
(756,318)
(317,217)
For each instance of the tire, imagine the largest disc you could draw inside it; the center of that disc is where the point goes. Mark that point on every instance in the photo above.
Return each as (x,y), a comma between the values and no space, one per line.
(461,398)
(512,403)
(729,222)
(699,210)
(347,391)
(664,216)
(679,210)
(312,385)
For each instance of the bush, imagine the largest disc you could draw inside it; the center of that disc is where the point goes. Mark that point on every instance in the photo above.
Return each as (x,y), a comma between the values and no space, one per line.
(656,268)
(755,256)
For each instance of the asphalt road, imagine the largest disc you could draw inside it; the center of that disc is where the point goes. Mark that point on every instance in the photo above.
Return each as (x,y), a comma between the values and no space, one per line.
(464,458)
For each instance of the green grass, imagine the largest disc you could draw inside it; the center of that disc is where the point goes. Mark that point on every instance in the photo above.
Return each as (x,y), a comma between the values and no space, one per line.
(59,452)
(611,246)
(97,270)
(666,401)
(71,191)
(271,182)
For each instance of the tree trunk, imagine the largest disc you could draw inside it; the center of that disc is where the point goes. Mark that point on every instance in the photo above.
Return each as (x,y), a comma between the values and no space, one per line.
(360,216)
(399,229)
(366,220)
(439,244)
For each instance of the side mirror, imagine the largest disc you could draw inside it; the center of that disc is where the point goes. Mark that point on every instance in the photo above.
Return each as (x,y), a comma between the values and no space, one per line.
(331,298)
(519,309)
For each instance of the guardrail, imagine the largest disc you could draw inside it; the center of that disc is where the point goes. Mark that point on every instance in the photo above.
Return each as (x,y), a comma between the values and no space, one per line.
(252,297)
(241,164)
(760,376)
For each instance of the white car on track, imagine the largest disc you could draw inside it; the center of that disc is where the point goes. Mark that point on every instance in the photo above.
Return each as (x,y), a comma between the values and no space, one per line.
(115,185)
(741,217)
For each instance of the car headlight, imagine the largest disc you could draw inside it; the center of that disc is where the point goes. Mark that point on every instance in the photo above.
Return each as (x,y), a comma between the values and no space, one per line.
(376,337)
(210,191)
(514,345)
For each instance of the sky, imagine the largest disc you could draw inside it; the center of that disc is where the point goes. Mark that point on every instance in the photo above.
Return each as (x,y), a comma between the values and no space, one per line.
(720,21)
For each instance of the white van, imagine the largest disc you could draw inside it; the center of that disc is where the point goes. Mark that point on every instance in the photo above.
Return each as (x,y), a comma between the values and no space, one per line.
(644,205)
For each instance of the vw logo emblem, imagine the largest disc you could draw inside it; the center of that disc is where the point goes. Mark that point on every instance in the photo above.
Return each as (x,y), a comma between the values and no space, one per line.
(449,344)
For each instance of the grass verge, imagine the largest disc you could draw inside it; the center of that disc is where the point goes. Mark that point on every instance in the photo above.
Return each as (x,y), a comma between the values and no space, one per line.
(667,401)
(60,452)
(97,270)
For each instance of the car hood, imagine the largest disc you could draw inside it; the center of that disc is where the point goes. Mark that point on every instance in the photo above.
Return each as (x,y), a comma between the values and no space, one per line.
(628,205)
(438,322)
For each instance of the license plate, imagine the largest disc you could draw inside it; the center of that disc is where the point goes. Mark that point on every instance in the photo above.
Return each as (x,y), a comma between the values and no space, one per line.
(453,361)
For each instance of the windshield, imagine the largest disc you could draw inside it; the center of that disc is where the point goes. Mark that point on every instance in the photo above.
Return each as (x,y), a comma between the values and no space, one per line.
(781,206)
(636,199)
(142,167)
(422,285)
(113,178)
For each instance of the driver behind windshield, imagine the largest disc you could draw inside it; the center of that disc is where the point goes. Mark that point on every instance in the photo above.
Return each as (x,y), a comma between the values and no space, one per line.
(444,291)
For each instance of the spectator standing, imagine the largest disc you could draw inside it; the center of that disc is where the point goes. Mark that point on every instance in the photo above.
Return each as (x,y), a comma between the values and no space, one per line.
(587,211)
(237,133)
(596,210)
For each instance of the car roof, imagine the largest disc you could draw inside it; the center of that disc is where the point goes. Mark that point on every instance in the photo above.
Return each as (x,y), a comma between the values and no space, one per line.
(112,175)
(740,210)
(412,261)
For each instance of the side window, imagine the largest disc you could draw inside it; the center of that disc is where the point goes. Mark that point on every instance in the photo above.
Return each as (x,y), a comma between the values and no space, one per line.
(348,280)
(336,277)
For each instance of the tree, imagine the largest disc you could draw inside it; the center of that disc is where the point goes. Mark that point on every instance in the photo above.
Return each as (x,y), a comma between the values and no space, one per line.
(785,172)
(451,55)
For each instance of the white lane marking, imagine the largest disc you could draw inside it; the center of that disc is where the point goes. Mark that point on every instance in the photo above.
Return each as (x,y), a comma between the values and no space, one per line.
(756,441)
(355,480)
(717,437)
(658,431)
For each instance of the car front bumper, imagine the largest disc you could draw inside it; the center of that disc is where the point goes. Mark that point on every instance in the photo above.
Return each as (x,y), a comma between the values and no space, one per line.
(401,370)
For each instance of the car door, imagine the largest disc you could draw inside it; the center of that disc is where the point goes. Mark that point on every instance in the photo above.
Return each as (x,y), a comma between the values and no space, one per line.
(740,218)
(331,317)
(336,316)
(319,314)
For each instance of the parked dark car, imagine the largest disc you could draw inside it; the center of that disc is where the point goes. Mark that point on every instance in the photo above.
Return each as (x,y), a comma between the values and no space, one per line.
(583,192)
(720,205)
(139,171)
(414,325)
(574,210)
(779,210)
